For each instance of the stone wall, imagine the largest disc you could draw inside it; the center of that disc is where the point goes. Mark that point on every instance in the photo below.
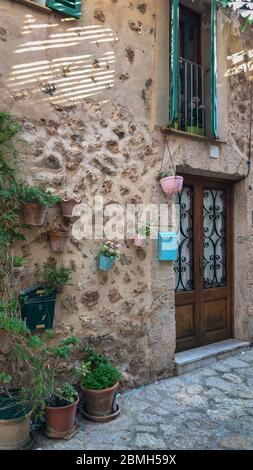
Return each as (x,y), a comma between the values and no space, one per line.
(87,93)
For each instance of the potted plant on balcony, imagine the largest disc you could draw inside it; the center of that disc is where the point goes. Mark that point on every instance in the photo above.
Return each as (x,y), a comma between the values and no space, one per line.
(142,234)
(17,265)
(99,382)
(196,118)
(170,183)
(35,202)
(108,255)
(55,278)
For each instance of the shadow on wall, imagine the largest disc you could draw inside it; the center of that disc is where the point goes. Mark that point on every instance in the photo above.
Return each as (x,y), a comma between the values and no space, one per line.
(64,77)
(241,61)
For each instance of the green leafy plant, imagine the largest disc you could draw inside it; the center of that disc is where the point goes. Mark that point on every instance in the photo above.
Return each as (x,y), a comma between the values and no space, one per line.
(96,372)
(17,261)
(164,174)
(145,230)
(31,194)
(110,249)
(54,277)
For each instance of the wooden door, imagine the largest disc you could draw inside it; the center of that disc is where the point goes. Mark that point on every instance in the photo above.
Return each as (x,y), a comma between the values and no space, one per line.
(203,269)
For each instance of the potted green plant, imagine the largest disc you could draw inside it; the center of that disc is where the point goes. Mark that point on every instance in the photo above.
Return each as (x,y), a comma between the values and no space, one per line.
(108,255)
(18,265)
(16,401)
(170,183)
(34,202)
(99,382)
(142,234)
(196,117)
(54,396)
(55,278)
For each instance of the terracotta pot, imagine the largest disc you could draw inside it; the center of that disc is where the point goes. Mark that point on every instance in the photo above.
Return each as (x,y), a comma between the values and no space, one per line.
(15,433)
(58,240)
(61,419)
(99,402)
(172,184)
(34,214)
(67,206)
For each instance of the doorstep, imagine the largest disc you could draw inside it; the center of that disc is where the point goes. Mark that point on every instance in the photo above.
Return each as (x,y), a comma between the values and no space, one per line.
(187,361)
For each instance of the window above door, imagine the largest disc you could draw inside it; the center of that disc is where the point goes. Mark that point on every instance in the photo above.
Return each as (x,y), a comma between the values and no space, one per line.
(193,67)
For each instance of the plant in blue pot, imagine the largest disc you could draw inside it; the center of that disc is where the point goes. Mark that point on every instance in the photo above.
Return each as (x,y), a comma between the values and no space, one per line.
(108,255)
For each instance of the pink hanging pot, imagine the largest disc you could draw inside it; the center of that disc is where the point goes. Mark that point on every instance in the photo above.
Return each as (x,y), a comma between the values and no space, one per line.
(172,184)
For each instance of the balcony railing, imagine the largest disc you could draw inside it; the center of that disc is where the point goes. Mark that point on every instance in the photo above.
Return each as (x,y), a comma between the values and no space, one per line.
(191,98)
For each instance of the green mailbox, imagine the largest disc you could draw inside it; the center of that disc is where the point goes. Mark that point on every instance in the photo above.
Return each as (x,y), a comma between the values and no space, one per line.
(37,307)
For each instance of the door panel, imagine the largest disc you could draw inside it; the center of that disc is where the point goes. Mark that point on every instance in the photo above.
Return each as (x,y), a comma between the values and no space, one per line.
(203,269)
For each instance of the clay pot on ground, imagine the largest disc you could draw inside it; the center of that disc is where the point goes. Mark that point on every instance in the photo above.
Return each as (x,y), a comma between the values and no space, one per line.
(99,403)
(67,206)
(61,420)
(14,424)
(172,184)
(34,214)
(58,240)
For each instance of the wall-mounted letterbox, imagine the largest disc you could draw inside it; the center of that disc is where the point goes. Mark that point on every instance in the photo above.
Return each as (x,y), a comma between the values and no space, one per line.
(167,246)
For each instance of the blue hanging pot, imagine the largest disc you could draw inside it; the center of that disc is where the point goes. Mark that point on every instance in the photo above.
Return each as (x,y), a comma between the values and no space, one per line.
(105,263)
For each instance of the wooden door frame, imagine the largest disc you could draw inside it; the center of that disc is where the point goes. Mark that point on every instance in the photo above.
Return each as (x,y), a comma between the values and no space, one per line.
(197,237)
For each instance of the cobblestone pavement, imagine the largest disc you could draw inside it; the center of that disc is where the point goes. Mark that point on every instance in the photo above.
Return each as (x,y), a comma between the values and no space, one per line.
(210,408)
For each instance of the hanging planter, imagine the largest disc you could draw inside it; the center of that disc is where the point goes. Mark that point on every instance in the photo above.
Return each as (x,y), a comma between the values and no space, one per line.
(142,235)
(35,202)
(34,214)
(108,256)
(169,181)
(170,184)
(58,240)
(67,206)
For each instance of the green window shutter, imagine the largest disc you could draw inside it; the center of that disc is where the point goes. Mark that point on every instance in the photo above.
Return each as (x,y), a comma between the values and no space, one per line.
(66,7)
(174,27)
(214,107)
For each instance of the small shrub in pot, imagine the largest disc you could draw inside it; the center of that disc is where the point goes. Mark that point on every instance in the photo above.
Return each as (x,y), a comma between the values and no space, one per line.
(99,382)
(35,201)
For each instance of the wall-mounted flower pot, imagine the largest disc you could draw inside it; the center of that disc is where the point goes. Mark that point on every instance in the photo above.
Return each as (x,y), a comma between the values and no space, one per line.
(105,263)
(67,206)
(172,184)
(139,240)
(195,130)
(34,214)
(60,420)
(58,240)
(14,424)
(98,403)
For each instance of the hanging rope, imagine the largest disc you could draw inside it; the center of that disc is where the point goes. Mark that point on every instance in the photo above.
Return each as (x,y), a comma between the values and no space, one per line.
(166,144)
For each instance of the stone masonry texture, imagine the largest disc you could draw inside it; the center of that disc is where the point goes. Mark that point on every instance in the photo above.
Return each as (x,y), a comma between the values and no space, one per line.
(91,100)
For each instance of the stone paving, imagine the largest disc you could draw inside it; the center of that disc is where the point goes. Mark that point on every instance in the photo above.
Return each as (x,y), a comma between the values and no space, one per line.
(210,408)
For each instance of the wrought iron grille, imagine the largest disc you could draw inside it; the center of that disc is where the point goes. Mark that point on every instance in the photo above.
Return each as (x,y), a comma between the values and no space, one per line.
(214,259)
(183,266)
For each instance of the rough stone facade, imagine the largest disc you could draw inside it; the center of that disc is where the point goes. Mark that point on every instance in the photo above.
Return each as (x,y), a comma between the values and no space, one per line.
(92,96)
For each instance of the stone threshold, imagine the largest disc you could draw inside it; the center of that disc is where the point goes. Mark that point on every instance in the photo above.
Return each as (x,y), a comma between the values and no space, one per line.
(192,359)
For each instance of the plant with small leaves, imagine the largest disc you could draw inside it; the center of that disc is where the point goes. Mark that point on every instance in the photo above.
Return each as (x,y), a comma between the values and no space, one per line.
(164,174)
(96,372)
(54,277)
(35,195)
(110,249)
(17,261)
